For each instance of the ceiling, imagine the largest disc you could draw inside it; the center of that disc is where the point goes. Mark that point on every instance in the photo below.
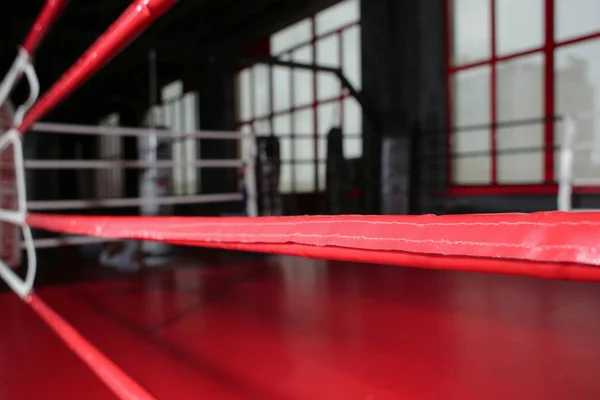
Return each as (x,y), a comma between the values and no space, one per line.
(190,33)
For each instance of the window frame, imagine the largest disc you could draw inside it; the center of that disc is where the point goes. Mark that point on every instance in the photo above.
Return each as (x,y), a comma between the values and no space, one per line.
(547,50)
(313,105)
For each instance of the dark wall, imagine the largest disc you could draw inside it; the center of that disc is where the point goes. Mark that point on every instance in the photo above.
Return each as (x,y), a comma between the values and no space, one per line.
(514,203)
(217,112)
(403,67)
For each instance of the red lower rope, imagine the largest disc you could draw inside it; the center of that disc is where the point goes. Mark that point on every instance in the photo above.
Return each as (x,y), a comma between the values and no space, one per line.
(121,384)
(550,245)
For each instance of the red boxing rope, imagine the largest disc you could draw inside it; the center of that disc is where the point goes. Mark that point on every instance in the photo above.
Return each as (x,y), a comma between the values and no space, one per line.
(131,23)
(549,245)
(121,384)
(43,23)
(137,17)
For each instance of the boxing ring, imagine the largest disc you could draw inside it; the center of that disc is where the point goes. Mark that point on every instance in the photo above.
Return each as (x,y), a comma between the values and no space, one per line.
(358,325)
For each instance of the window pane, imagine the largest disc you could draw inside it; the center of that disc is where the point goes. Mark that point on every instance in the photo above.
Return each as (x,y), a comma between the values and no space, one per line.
(519,25)
(282,124)
(328,116)
(519,96)
(337,16)
(328,85)
(282,127)
(262,127)
(305,177)
(303,79)
(471,106)
(245,95)
(285,178)
(172,91)
(291,36)
(471,163)
(191,146)
(351,55)
(246,129)
(471,97)
(281,88)
(471,31)
(352,147)
(576,18)
(322,148)
(154,116)
(577,85)
(285,148)
(352,117)
(322,179)
(261,84)
(304,149)
(304,121)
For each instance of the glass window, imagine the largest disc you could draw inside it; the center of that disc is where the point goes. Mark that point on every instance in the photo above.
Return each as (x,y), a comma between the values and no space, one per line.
(577,88)
(304,121)
(262,127)
(327,117)
(282,124)
(352,116)
(245,95)
(283,100)
(322,148)
(470,166)
(352,147)
(575,18)
(244,146)
(471,106)
(282,128)
(181,114)
(351,55)
(292,36)
(172,91)
(109,182)
(519,96)
(305,177)
(337,16)
(285,177)
(322,179)
(519,25)
(328,85)
(261,90)
(303,79)
(471,31)
(304,148)
(191,146)
(281,88)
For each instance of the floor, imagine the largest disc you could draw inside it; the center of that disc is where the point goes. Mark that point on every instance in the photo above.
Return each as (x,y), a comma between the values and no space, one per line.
(291,328)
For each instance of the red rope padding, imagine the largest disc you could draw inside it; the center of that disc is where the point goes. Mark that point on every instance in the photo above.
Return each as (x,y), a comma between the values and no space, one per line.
(139,15)
(121,384)
(43,23)
(552,245)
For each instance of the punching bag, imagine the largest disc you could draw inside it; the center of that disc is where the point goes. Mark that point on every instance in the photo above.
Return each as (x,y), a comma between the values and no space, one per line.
(337,176)
(267,176)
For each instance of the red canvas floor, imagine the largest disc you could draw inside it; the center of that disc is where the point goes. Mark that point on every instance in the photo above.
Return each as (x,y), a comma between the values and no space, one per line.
(289,328)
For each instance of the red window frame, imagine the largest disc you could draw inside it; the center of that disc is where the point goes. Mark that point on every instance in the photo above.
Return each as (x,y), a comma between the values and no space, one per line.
(313,105)
(547,49)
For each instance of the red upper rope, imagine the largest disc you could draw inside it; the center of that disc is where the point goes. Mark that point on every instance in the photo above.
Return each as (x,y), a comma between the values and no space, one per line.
(43,23)
(137,17)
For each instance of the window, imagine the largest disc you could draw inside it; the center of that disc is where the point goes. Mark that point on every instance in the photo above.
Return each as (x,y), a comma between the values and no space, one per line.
(300,106)
(180,113)
(109,182)
(512,68)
